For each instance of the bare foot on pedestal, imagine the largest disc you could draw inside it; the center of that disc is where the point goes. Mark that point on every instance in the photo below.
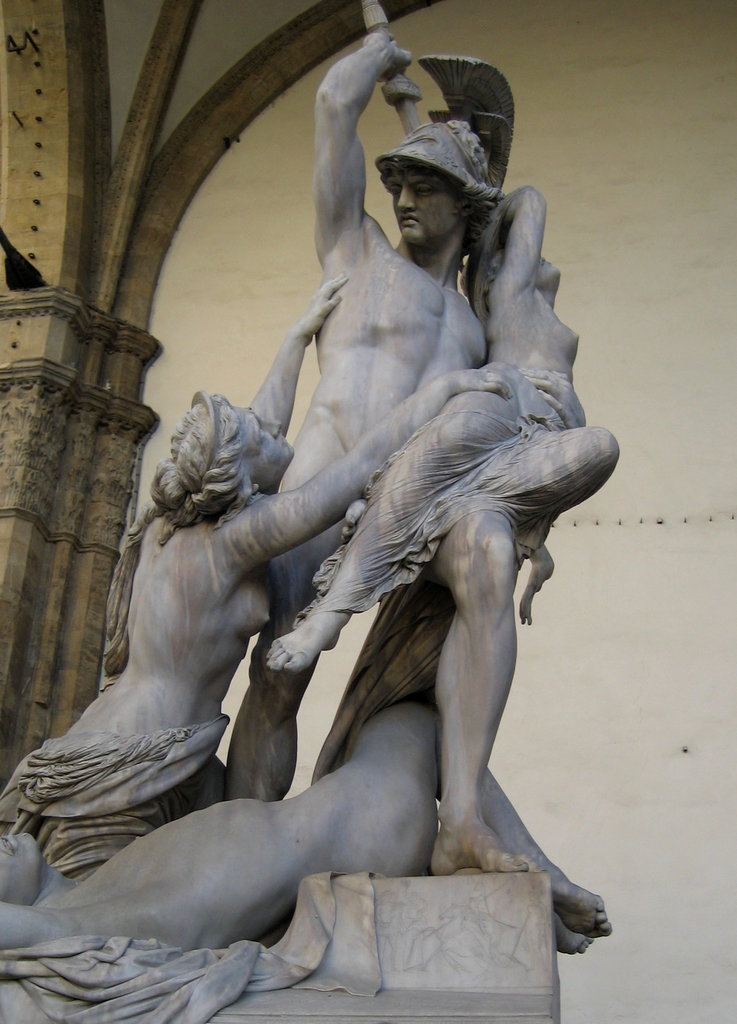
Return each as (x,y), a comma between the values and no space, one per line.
(472,846)
(581,911)
(567,941)
(296,651)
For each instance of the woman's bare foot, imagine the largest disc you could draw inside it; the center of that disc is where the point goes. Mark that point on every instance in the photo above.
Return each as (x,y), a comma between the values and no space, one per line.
(295,651)
(567,941)
(472,846)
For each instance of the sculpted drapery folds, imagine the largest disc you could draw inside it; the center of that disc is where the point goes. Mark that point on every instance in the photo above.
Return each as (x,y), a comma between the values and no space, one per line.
(413,325)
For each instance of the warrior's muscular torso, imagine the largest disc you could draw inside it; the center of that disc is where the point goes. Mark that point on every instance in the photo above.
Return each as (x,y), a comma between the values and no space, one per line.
(395,329)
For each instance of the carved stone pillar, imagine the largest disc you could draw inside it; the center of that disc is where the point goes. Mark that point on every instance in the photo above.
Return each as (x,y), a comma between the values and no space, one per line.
(70,428)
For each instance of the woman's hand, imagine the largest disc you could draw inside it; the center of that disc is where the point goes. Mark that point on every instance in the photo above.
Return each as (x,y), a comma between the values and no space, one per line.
(485,379)
(321,305)
(353,516)
(275,398)
(541,569)
(560,395)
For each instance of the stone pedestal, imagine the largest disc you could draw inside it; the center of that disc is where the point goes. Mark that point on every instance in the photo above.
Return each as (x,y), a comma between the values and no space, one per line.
(471,948)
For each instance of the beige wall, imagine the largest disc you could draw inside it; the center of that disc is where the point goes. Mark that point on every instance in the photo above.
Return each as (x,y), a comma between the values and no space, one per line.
(625,121)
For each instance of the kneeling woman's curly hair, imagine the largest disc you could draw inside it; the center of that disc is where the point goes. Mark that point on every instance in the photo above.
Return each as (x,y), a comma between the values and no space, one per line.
(206,477)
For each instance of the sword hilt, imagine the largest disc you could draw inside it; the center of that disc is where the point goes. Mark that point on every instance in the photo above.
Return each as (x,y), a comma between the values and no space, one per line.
(399,91)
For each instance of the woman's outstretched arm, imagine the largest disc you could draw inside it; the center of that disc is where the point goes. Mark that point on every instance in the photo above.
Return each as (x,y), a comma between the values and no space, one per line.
(279,522)
(275,399)
(22,926)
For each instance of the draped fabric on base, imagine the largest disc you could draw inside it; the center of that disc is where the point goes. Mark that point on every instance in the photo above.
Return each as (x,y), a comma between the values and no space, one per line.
(96,980)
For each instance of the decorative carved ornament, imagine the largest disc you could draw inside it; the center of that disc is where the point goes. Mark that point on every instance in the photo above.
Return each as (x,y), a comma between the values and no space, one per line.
(70,432)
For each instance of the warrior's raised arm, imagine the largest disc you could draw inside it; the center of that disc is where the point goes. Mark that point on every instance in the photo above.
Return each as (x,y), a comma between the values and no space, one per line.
(339,183)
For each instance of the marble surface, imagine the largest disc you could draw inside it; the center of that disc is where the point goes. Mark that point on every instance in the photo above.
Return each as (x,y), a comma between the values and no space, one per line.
(471,947)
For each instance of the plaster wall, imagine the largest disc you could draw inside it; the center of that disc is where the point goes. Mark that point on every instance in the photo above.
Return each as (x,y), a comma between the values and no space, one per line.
(224,31)
(616,742)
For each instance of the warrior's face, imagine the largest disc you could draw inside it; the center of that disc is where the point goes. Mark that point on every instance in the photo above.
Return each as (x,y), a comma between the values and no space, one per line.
(428,207)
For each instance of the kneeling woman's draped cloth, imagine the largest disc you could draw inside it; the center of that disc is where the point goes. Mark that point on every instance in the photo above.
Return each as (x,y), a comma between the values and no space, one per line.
(86,795)
(99,980)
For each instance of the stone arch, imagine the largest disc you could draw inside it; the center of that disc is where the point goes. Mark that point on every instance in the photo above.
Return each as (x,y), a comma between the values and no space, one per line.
(222,113)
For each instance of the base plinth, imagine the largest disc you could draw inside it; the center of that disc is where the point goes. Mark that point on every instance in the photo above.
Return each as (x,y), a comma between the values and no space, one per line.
(469,949)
